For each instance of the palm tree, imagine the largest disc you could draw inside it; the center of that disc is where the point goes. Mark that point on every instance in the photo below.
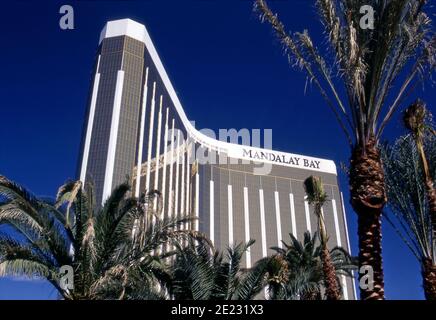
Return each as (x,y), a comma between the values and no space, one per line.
(200,272)
(410,212)
(371,63)
(317,197)
(112,253)
(417,119)
(277,277)
(295,272)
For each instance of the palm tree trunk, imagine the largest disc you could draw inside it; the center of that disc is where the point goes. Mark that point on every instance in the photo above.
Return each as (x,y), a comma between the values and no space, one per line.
(368,197)
(332,289)
(429,279)
(331,283)
(431,197)
(430,191)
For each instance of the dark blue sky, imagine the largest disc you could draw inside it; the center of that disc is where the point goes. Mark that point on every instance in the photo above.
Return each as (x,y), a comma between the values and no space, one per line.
(227,68)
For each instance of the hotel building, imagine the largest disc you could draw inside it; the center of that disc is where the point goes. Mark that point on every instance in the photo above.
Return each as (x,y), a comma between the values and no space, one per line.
(136,127)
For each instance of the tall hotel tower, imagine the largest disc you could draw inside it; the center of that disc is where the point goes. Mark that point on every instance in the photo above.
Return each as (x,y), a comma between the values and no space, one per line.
(136,127)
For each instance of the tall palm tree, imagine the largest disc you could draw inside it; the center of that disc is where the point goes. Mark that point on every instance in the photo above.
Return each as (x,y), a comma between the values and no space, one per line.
(111,252)
(409,211)
(378,67)
(417,119)
(317,197)
(200,272)
(295,272)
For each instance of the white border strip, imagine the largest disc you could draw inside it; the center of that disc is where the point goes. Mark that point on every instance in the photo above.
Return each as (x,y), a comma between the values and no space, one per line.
(278,219)
(307,212)
(247,226)
(262,222)
(346,224)
(90,124)
(230,211)
(197,201)
(344,287)
(293,220)
(339,243)
(141,136)
(348,241)
(337,230)
(211,212)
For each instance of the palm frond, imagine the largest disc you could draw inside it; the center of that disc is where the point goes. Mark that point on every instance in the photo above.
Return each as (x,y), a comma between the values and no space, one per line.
(67,193)
(407,202)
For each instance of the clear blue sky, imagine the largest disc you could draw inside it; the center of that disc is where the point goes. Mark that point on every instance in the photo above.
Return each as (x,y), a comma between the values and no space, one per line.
(227,68)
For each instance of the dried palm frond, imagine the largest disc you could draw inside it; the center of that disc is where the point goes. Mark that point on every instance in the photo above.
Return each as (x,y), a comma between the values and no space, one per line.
(377,67)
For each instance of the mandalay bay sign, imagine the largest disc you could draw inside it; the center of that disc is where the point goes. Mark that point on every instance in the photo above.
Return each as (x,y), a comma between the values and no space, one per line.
(235,146)
(281,158)
(264,159)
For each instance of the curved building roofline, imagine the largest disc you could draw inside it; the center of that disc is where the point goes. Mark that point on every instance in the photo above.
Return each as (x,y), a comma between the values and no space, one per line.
(135,30)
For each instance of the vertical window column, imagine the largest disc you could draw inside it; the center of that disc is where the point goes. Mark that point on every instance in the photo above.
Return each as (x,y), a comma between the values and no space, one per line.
(110,162)
(182,187)
(170,184)
(150,139)
(188,184)
(176,192)
(165,159)
(157,157)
